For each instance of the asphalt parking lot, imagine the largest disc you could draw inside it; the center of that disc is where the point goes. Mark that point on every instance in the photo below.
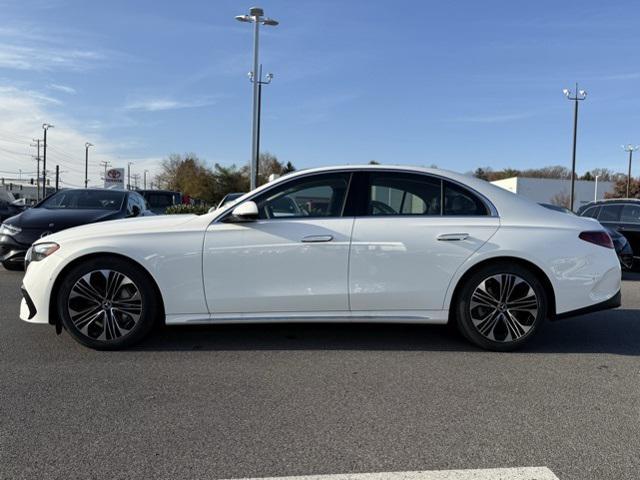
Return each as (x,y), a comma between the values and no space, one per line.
(253,401)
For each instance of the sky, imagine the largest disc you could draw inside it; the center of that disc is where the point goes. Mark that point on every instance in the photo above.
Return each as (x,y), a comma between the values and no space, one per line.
(459,84)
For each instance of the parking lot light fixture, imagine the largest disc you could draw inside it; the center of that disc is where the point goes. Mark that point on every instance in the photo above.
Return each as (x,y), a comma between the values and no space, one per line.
(256,16)
(576,96)
(86,163)
(629,148)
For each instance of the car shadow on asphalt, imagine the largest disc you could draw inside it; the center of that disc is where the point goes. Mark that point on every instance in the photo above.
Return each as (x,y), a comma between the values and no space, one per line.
(614,332)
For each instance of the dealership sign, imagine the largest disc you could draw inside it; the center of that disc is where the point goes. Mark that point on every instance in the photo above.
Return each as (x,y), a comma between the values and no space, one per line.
(114,178)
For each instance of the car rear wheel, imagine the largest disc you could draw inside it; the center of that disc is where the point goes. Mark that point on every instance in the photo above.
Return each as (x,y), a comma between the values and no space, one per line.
(107,304)
(501,306)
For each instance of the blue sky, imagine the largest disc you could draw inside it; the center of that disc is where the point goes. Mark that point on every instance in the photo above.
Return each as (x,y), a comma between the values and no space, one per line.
(459,84)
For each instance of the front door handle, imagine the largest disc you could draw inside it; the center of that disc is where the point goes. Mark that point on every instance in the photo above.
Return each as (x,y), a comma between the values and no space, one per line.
(317,238)
(452,237)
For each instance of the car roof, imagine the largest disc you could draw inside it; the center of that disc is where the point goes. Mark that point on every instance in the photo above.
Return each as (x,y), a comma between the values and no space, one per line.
(605,201)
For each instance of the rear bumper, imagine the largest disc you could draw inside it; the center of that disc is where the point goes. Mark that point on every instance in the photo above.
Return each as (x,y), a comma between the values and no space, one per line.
(613,302)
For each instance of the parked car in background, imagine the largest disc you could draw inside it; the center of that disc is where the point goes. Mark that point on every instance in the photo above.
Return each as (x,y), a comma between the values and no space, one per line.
(9,206)
(160,200)
(363,244)
(621,216)
(62,210)
(620,242)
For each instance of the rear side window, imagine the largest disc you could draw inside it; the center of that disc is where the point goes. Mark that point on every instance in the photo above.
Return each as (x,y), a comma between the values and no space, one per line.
(403,194)
(610,213)
(630,214)
(160,200)
(460,201)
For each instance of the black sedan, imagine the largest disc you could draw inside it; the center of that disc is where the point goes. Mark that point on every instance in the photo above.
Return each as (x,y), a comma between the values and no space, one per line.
(64,209)
(620,242)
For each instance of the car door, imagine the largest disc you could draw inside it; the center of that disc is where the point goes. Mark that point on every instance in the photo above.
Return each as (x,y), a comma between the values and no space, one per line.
(630,226)
(293,258)
(415,232)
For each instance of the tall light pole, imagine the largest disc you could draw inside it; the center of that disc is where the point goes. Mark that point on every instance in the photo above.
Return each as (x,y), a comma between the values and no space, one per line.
(45,127)
(86,163)
(145,179)
(629,148)
(37,144)
(129,175)
(575,97)
(267,80)
(595,191)
(256,16)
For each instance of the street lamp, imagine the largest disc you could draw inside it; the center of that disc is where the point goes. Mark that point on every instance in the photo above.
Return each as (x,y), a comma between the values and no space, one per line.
(256,16)
(575,97)
(629,148)
(45,127)
(145,179)
(595,191)
(86,163)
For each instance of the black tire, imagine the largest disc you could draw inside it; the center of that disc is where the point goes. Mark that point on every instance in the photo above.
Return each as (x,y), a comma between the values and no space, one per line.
(13,266)
(120,328)
(504,328)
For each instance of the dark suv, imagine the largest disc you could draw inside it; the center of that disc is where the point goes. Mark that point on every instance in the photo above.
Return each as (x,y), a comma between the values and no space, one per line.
(622,215)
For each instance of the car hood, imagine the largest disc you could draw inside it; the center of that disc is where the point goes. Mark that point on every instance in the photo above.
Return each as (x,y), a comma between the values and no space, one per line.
(54,220)
(151,224)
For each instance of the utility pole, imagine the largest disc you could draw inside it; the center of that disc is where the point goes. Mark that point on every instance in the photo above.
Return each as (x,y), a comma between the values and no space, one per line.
(256,16)
(629,148)
(57,176)
(86,163)
(105,164)
(45,127)
(577,97)
(136,177)
(129,175)
(37,140)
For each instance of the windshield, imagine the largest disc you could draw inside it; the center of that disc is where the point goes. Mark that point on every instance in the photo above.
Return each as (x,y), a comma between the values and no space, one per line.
(85,199)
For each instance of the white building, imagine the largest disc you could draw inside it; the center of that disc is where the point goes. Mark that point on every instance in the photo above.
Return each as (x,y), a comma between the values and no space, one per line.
(550,190)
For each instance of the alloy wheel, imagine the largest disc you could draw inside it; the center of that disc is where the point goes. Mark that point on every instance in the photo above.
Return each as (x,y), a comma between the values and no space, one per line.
(104,305)
(504,307)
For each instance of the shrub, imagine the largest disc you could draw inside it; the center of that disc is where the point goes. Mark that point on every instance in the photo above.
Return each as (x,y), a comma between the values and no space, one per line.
(181,209)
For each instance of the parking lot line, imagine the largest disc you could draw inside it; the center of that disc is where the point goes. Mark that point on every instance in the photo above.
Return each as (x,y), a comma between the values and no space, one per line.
(525,473)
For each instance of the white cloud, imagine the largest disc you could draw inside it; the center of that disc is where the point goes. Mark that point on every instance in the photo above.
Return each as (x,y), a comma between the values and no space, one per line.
(160,104)
(62,88)
(21,57)
(22,113)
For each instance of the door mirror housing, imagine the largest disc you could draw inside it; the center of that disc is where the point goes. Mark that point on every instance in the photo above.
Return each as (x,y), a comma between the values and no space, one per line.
(135,211)
(245,212)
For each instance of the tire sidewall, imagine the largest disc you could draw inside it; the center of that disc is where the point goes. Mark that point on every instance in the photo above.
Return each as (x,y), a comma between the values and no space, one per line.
(464,322)
(142,282)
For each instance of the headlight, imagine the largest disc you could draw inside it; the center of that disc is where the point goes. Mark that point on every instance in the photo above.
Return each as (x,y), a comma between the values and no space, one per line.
(6,229)
(40,251)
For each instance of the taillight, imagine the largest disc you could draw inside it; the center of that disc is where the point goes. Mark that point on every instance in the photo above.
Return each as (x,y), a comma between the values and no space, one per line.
(598,237)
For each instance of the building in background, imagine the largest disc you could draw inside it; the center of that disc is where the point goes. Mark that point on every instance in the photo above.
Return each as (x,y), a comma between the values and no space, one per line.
(556,191)
(23,189)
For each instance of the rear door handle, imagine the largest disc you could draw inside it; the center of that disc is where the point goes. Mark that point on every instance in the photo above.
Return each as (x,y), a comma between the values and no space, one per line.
(452,237)
(317,238)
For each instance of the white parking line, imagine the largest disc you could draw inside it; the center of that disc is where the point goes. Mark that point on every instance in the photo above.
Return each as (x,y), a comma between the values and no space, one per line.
(526,473)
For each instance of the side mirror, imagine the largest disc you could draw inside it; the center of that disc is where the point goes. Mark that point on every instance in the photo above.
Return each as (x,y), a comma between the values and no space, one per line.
(135,211)
(245,212)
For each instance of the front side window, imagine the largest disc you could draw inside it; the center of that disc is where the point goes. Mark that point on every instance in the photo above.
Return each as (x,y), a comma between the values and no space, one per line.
(321,195)
(403,194)
(630,214)
(591,212)
(610,213)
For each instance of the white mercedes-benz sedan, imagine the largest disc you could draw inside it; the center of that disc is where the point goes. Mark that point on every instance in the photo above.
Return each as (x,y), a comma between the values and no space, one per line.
(341,244)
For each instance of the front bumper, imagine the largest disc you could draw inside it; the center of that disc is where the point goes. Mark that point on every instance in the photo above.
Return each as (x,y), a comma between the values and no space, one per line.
(12,251)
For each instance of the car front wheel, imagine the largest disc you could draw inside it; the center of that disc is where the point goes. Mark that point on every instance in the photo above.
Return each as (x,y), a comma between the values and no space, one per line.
(107,304)
(501,306)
